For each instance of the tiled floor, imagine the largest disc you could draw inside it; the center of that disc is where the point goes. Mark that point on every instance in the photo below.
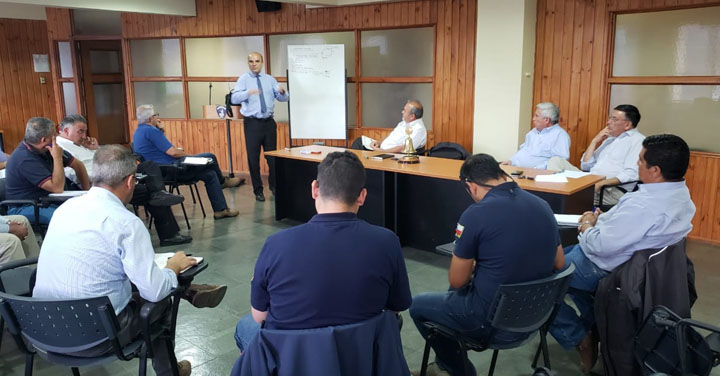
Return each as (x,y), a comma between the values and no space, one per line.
(205,336)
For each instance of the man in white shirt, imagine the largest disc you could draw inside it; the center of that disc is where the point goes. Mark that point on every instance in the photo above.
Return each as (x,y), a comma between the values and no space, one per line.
(612,153)
(546,140)
(96,247)
(150,192)
(17,239)
(411,118)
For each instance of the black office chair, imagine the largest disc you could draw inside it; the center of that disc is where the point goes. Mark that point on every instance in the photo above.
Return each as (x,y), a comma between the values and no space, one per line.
(601,197)
(17,278)
(527,307)
(668,344)
(55,329)
(449,150)
(6,204)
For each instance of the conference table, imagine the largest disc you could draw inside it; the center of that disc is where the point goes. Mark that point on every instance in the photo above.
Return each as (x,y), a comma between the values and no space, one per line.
(420,202)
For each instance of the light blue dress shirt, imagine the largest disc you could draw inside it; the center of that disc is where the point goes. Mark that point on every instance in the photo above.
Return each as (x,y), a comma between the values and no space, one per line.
(4,225)
(540,146)
(616,157)
(96,247)
(657,215)
(251,103)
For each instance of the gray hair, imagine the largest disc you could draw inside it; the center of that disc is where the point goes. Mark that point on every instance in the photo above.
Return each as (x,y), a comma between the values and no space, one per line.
(70,120)
(111,165)
(549,110)
(37,128)
(416,108)
(144,113)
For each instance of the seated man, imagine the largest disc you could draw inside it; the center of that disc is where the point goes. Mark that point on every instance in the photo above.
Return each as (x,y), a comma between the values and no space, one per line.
(411,118)
(35,169)
(657,215)
(17,239)
(96,247)
(546,140)
(334,270)
(507,236)
(149,192)
(150,142)
(612,153)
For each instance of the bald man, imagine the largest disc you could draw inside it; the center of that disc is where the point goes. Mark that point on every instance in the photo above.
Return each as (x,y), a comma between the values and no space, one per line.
(256,92)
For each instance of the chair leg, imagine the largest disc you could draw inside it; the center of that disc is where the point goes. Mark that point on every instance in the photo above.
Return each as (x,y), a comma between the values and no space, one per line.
(199,199)
(426,356)
(2,330)
(75,371)
(28,364)
(537,355)
(142,371)
(546,353)
(492,362)
(187,222)
(191,194)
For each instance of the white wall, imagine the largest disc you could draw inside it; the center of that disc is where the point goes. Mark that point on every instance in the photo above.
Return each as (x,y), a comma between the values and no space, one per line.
(504,63)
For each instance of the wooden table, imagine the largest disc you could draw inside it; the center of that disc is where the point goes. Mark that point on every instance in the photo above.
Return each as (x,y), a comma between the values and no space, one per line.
(421,202)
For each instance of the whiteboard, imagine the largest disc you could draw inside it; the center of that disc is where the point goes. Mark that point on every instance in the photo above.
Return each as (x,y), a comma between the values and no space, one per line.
(316,82)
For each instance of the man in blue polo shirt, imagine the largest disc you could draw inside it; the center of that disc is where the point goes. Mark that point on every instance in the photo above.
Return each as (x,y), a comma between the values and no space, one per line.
(36,168)
(334,270)
(149,142)
(507,236)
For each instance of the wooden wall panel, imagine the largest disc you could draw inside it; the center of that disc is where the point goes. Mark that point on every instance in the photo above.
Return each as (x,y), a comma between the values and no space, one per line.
(572,51)
(22,96)
(455,22)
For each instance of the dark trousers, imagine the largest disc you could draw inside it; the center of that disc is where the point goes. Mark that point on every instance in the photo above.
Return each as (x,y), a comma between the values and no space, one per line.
(165,222)
(213,178)
(163,348)
(260,132)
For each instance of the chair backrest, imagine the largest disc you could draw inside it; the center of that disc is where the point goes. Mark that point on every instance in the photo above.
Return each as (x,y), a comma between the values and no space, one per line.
(59,326)
(449,150)
(525,307)
(357,144)
(2,190)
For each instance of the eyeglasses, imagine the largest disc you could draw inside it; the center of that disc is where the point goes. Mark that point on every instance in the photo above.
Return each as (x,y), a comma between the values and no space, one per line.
(156,114)
(467,180)
(135,179)
(614,119)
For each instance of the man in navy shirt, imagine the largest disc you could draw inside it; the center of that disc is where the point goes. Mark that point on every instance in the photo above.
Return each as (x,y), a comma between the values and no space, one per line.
(507,236)
(149,142)
(334,270)
(36,168)
(257,92)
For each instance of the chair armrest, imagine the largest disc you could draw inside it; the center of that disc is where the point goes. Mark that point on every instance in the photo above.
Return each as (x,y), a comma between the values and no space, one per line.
(12,265)
(18,202)
(152,312)
(601,196)
(170,172)
(17,264)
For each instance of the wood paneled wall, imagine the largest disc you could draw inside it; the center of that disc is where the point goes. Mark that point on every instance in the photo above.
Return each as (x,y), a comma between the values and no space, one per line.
(571,69)
(454,42)
(22,96)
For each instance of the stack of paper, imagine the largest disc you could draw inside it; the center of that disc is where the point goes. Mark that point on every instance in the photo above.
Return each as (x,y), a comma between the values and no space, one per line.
(574,174)
(552,178)
(68,194)
(200,161)
(567,219)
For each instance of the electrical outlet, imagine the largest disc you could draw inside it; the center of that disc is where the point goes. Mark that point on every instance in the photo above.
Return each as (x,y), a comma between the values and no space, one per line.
(42,80)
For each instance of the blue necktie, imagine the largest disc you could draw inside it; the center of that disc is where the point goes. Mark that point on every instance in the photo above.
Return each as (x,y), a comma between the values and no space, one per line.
(263,108)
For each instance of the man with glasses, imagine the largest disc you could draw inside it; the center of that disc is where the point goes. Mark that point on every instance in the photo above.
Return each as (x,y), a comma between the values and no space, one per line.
(507,236)
(612,153)
(547,139)
(149,142)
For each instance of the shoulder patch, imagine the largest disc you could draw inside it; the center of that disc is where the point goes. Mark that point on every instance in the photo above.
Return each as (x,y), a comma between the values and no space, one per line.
(459,230)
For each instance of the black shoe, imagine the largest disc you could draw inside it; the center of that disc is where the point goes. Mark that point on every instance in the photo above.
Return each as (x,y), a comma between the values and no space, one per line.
(176,240)
(259,197)
(205,296)
(163,198)
(273,191)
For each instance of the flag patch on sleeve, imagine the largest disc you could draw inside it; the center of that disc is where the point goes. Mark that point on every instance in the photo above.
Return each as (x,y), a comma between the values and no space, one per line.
(459,230)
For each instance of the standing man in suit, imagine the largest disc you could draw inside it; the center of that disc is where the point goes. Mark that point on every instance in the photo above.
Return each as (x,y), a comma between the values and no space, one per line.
(256,93)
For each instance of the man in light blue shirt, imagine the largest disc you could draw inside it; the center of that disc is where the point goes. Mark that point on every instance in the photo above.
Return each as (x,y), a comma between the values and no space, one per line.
(657,215)
(548,139)
(96,247)
(256,92)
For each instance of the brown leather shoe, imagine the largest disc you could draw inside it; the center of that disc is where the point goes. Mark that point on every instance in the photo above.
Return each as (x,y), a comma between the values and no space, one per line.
(226,213)
(184,368)
(232,182)
(588,349)
(205,296)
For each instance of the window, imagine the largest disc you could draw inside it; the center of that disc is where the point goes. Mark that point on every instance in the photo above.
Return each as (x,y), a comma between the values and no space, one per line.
(668,65)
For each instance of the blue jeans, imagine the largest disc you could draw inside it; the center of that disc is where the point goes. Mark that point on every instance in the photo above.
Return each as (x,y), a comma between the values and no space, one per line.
(211,175)
(245,331)
(29,212)
(454,309)
(569,329)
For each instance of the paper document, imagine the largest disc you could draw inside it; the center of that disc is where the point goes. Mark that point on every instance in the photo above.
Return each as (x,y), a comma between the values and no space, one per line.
(552,178)
(367,141)
(200,161)
(567,219)
(574,174)
(68,194)
(161,260)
